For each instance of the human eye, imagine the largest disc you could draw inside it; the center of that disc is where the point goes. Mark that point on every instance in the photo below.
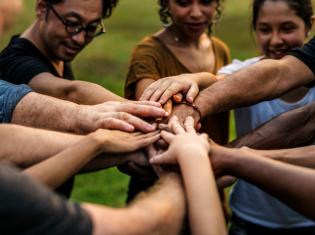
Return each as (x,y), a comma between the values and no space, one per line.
(182,3)
(263,29)
(288,28)
(206,2)
(73,23)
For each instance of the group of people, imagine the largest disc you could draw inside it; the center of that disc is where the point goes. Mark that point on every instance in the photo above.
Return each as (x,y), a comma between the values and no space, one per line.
(180,84)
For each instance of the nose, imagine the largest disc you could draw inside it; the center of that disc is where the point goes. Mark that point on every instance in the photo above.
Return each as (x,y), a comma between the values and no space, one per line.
(79,38)
(196,11)
(276,39)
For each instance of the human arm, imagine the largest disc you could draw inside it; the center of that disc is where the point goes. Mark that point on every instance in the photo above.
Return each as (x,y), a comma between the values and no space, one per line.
(264,80)
(57,169)
(80,92)
(291,129)
(47,112)
(294,185)
(200,185)
(189,84)
(158,211)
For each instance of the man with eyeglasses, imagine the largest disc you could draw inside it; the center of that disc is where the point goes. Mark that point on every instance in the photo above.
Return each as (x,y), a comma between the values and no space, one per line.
(41,55)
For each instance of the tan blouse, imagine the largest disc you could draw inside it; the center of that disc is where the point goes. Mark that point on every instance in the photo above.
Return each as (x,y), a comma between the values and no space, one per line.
(152,59)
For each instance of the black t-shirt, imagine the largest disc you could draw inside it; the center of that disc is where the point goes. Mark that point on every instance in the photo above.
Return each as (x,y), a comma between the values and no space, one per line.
(29,208)
(307,55)
(20,61)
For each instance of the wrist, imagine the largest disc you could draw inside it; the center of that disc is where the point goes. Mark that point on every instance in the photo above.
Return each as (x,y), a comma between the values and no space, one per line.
(197,114)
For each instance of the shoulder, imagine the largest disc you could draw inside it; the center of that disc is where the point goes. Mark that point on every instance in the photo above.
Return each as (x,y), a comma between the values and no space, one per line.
(238,65)
(149,46)
(220,45)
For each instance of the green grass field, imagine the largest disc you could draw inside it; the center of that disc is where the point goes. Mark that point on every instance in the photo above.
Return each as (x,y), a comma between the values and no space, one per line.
(105,62)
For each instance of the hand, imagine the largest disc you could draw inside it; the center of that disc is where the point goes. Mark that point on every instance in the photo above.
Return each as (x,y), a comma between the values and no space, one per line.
(123,142)
(137,165)
(163,89)
(119,116)
(178,142)
(182,111)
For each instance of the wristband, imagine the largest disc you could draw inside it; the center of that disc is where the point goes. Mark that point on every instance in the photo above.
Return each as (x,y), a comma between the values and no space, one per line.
(194,107)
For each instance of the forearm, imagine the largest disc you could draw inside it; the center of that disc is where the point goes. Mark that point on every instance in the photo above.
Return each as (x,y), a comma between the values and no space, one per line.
(158,211)
(303,156)
(55,170)
(25,146)
(204,79)
(203,199)
(264,80)
(90,93)
(291,129)
(293,185)
(45,112)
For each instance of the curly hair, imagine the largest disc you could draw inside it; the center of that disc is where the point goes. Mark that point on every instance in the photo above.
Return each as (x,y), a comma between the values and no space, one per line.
(165,16)
(107,10)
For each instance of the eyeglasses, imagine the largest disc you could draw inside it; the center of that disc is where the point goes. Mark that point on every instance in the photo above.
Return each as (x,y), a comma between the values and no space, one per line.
(74,28)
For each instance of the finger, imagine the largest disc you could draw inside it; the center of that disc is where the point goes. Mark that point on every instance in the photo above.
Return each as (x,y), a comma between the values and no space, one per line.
(176,127)
(147,102)
(156,96)
(148,92)
(169,92)
(164,127)
(178,97)
(142,110)
(168,106)
(192,93)
(136,122)
(147,141)
(160,159)
(116,124)
(189,125)
(198,126)
(167,136)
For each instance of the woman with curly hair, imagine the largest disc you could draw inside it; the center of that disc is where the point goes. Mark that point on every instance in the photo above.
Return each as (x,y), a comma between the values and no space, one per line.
(185,45)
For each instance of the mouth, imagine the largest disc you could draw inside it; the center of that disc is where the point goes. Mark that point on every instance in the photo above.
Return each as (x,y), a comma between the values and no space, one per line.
(72,50)
(277,54)
(196,26)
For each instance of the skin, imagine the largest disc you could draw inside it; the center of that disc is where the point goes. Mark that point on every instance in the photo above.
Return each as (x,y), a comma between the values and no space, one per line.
(47,112)
(203,198)
(291,184)
(157,211)
(294,128)
(55,170)
(8,12)
(190,20)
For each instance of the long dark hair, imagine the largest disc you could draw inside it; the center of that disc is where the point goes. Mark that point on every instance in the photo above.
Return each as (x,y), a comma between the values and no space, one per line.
(302,8)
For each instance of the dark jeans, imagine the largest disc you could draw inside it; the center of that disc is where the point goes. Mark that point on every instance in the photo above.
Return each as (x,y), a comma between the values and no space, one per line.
(242,227)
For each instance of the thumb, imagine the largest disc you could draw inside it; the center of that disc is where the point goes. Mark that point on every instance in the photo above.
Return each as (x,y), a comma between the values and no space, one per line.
(160,159)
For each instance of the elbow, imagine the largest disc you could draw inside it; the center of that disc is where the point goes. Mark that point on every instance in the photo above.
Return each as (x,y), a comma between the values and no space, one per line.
(70,92)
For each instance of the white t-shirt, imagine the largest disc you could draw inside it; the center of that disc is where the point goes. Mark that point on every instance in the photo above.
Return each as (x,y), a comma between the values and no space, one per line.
(246,200)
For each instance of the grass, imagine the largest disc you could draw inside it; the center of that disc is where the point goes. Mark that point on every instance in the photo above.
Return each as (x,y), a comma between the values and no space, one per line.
(105,61)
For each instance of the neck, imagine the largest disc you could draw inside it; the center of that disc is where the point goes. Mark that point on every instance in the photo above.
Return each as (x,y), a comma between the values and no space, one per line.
(182,40)
(32,34)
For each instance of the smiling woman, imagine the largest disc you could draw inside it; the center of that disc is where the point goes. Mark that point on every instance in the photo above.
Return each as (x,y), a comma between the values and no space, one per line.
(279,26)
